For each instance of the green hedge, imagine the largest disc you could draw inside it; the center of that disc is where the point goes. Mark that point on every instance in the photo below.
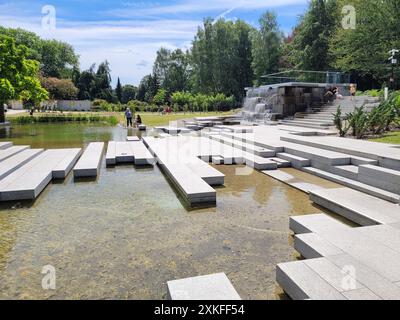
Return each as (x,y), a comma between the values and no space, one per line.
(64,118)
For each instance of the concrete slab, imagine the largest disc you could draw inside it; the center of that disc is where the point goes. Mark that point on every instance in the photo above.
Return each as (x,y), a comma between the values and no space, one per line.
(315,223)
(29,181)
(383,178)
(311,245)
(297,162)
(5,145)
(132,138)
(15,162)
(300,282)
(111,154)
(358,207)
(11,151)
(365,188)
(217,160)
(371,279)
(64,167)
(212,287)
(89,164)
(333,275)
(141,155)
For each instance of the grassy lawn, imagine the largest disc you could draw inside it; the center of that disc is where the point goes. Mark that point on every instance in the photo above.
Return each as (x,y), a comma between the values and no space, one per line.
(392,138)
(150,119)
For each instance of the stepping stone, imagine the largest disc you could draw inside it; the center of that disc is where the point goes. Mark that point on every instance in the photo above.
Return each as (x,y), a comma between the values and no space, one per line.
(212,287)
(358,207)
(89,164)
(17,161)
(65,166)
(142,127)
(11,151)
(111,154)
(142,156)
(27,182)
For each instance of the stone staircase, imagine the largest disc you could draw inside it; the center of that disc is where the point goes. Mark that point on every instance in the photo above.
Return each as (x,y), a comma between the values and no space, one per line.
(322,117)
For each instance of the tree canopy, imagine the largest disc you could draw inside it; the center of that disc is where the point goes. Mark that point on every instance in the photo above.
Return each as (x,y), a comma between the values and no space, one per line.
(19,76)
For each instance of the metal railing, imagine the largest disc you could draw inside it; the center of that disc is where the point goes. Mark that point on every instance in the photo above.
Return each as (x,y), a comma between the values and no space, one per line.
(329,77)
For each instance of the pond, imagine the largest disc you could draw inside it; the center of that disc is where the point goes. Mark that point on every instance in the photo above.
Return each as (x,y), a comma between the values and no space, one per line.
(126,234)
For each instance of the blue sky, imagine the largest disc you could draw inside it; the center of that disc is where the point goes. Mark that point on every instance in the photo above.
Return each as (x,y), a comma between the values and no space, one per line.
(128,32)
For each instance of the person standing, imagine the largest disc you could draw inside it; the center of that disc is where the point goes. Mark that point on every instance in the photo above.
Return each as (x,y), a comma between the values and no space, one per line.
(128,116)
(353,91)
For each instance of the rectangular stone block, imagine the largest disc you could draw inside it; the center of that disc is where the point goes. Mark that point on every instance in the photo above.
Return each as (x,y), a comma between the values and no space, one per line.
(89,164)
(212,287)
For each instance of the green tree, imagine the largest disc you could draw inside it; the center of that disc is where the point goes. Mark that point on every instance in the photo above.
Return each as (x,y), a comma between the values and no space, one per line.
(103,89)
(160,98)
(267,46)
(363,51)
(60,89)
(221,58)
(310,46)
(129,93)
(118,91)
(19,76)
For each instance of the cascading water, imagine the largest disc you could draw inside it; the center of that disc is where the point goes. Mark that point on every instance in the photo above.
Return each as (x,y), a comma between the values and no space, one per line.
(259,103)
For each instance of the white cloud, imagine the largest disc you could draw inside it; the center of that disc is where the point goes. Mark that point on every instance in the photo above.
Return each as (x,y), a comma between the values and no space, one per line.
(193,6)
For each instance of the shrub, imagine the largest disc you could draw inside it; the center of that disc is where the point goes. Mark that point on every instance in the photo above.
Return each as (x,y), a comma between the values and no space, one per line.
(340,123)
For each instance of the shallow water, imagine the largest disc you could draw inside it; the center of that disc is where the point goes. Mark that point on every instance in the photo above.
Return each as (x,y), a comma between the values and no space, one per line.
(126,234)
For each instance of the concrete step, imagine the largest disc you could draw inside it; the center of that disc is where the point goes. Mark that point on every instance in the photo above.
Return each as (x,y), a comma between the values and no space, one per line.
(251,148)
(217,160)
(316,155)
(315,223)
(141,155)
(387,155)
(282,163)
(373,191)
(356,206)
(300,282)
(307,122)
(383,178)
(312,246)
(297,162)
(295,124)
(349,172)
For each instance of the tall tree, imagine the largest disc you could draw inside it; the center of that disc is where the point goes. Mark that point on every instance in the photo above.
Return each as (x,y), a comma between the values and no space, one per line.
(310,47)
(364,51)
(103,89)
(19,76)
(118,91)
(267,46)
(221,59)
